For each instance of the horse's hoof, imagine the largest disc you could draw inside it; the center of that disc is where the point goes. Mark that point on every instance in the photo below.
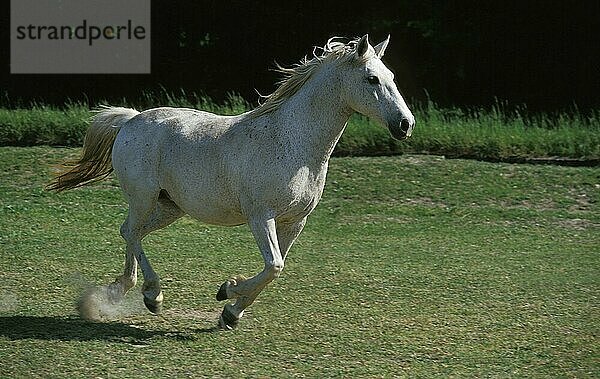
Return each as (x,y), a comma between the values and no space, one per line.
(153,306)
(228,321)
(222,293)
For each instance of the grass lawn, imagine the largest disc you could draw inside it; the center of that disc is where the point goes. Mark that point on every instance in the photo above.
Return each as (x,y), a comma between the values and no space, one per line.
(413,266)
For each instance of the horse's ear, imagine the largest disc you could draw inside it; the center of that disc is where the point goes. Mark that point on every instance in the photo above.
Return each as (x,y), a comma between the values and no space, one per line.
(380,48)
(363,46)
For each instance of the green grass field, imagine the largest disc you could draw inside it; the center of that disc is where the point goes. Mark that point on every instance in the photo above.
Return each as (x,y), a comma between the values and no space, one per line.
(411,266)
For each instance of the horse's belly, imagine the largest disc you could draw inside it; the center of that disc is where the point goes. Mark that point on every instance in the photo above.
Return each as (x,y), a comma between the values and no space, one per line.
(208,207)
(217,217)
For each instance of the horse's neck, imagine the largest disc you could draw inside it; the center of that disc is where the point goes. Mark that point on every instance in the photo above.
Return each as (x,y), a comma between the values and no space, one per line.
(315,117)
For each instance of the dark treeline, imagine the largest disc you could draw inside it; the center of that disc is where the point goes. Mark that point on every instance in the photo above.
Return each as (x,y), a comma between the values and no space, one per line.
(541,53)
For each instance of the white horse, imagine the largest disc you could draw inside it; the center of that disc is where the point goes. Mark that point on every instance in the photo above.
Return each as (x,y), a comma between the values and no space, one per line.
(266,167)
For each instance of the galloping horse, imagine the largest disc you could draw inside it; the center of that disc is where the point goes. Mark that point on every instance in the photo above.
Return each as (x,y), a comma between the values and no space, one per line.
(265,168)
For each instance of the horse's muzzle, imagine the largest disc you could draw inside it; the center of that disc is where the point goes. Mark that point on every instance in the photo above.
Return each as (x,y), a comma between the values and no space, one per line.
(402,129)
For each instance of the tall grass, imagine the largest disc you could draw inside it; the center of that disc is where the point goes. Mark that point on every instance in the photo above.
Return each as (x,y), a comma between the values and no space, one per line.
(495,133)
(491,134)
(42,125)
(499,134)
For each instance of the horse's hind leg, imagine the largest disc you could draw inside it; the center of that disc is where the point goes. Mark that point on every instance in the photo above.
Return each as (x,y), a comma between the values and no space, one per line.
(165,212)
(145,215)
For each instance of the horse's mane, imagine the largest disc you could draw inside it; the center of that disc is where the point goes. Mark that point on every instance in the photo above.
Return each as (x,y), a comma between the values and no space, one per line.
(296,76)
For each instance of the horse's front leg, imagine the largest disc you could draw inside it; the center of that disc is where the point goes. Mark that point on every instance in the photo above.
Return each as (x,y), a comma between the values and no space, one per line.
(286,234)
(246,291)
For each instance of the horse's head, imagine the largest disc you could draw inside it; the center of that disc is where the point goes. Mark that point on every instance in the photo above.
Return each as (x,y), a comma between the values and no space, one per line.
(369,89)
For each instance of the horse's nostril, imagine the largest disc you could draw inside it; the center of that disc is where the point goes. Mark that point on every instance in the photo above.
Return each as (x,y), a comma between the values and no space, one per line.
(405,125)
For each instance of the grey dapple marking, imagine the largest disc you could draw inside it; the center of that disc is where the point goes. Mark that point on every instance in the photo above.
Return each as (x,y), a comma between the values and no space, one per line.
(265,168)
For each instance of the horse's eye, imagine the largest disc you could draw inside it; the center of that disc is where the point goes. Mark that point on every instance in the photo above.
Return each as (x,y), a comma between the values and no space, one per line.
(373,79)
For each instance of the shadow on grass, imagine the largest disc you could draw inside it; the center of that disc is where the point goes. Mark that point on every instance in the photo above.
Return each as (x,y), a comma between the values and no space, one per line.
(76,329)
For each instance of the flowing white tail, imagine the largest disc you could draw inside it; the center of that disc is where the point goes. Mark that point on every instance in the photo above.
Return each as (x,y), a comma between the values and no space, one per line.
(95,162)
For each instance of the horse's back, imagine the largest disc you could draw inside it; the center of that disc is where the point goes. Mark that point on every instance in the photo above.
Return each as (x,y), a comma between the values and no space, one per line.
(186,122)
(144,137)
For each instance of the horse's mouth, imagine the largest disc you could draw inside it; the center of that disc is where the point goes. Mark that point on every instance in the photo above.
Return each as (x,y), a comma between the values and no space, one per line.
(397,132)
(401,129)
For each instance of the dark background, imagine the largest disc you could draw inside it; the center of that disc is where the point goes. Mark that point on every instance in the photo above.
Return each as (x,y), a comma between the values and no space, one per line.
(469,53)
